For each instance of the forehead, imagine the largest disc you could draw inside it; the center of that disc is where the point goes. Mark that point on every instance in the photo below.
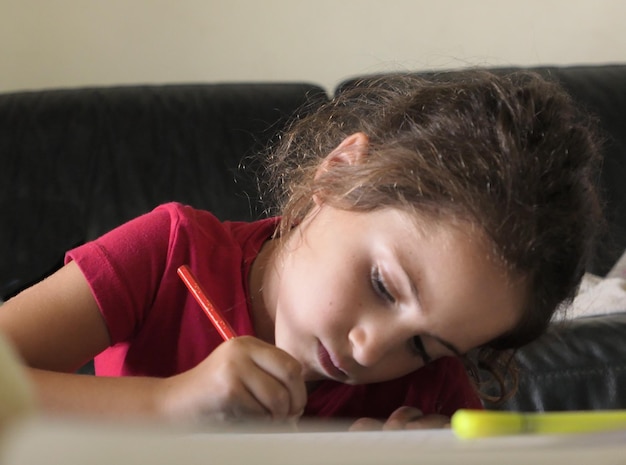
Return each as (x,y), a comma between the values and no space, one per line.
(468,293)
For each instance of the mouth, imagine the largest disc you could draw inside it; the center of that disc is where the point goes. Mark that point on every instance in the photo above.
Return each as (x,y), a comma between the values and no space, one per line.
(329,366)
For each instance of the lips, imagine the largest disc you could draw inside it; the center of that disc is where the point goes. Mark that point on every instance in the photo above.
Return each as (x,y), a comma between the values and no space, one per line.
(328,365)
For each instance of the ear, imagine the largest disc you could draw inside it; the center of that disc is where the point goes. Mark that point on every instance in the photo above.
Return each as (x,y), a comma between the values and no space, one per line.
(351,150)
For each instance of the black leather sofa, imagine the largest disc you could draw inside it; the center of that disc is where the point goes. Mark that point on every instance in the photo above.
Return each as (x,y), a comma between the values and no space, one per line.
(74,163)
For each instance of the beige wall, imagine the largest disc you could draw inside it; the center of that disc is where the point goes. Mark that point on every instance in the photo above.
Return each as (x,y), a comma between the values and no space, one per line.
(60,43)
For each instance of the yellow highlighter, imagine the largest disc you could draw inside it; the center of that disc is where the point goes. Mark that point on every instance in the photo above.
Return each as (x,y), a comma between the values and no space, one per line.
(468,424)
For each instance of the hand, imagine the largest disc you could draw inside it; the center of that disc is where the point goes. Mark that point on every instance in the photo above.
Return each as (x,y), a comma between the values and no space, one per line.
(244,377)
(402,418)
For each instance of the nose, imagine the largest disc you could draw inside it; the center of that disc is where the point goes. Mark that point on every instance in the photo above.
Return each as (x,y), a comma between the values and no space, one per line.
(372,341)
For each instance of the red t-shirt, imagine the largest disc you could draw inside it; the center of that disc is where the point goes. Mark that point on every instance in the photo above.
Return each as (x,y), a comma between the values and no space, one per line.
(158,329)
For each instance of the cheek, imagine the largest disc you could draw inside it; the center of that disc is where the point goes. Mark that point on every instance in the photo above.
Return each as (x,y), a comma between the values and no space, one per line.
(321,288)
(307,304)
(312,278)
(315,301)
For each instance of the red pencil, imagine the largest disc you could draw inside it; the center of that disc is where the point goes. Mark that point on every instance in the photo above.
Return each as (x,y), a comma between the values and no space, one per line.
(222,326)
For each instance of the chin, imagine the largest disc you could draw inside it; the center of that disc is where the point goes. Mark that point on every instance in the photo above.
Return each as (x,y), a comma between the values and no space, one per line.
(311,376)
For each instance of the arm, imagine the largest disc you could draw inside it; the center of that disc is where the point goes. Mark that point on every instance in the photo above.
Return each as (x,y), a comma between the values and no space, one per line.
(56,327)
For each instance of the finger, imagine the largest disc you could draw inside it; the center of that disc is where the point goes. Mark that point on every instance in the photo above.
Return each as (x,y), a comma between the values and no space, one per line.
(366,424)
(234,402)
(269,392)
(247,406)
(287,371)
(240,387)
(401,417)
(429,422)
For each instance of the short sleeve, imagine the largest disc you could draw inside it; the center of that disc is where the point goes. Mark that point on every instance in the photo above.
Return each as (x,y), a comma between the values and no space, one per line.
(124,267)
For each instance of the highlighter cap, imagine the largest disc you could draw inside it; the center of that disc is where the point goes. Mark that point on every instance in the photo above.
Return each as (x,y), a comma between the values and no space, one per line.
(468,424)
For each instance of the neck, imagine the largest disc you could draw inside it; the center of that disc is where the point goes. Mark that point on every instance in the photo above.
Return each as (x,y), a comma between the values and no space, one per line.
(263,308)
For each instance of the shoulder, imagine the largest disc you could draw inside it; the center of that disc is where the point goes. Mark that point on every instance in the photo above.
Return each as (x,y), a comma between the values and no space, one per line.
(186,217)
(445,386)
(182,216)
(252,232)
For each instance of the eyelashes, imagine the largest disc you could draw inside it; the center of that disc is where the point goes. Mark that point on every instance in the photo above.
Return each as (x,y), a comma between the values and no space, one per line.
(380,288)
(418,346)
(378,283)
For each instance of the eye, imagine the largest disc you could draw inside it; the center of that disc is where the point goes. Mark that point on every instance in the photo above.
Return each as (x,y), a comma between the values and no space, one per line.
(418,346)
(378,283)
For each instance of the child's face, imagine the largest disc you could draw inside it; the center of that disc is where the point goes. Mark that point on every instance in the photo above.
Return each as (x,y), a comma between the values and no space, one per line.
(355,294)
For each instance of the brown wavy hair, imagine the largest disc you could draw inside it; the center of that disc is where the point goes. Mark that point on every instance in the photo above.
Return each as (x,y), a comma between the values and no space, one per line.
(508,152)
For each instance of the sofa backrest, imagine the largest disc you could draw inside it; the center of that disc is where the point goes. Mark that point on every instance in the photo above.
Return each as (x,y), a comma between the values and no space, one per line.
(77,162)
(602,90)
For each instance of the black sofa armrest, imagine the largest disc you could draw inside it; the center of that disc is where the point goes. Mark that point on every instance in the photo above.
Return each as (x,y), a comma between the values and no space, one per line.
(578,364)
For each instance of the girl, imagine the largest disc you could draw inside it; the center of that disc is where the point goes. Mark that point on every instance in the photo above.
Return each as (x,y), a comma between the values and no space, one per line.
(420,222)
